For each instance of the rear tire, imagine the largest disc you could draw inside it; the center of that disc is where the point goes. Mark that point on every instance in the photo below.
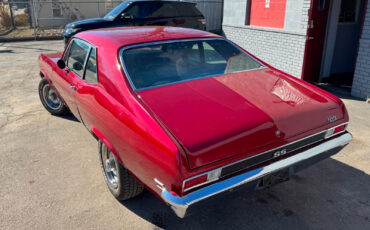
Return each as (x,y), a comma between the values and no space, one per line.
(120,182)
(50,99)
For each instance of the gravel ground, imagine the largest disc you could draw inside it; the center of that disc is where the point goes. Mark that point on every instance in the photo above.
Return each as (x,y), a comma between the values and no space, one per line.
(50,176)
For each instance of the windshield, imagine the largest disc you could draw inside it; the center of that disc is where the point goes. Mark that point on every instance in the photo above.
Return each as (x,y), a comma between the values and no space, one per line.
(170,62)
(116,11)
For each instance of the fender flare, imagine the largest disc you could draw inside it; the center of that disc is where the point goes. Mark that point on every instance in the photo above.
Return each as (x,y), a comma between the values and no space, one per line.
(43,74)
(99,136)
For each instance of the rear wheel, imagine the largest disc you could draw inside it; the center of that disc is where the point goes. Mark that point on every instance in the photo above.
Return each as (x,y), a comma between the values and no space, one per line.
(50,99)
(121,184)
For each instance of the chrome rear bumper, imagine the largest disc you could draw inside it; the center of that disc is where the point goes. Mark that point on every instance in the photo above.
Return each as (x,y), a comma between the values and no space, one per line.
(181,204)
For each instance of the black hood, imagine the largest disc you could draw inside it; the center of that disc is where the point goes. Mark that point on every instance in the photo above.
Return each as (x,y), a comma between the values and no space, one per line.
(91,22)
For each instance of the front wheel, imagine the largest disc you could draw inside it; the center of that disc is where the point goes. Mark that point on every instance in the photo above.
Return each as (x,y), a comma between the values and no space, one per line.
(120,182)
(50,99)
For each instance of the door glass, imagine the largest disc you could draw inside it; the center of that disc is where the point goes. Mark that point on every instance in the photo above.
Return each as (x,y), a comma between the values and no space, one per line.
(90,72)
(144,10)
(348,11)
(164,11)
(186,9)
(133,11)
(77,56)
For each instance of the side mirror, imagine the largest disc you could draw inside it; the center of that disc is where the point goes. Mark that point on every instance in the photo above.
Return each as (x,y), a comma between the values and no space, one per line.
(77,66)
(61,64)
(124,16)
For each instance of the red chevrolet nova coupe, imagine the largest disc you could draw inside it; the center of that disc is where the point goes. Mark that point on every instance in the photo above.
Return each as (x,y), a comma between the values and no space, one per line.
(188,114)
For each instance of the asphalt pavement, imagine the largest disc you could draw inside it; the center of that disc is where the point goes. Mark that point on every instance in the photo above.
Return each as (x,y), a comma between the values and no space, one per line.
(50,176)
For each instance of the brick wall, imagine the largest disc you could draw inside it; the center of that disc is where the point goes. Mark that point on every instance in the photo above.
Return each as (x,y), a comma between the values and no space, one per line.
(281,48)
(305,9)
(361,81)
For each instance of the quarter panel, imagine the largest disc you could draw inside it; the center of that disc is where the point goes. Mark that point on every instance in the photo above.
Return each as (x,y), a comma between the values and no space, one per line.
(137,139)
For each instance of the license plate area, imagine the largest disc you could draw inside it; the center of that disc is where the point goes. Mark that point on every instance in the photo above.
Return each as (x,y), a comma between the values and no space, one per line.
(275,178)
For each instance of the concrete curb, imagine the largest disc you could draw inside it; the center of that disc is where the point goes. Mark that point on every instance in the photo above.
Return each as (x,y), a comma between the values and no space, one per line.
(31,39)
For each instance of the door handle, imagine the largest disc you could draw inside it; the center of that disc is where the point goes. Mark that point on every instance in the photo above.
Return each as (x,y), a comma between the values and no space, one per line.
(72,87)
(311,25)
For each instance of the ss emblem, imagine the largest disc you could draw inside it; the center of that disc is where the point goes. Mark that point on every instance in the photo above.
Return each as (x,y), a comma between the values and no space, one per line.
(332,119)
(280,153)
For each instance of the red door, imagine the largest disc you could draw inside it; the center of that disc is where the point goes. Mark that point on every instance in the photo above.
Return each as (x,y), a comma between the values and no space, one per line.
(64,82)
(318,16)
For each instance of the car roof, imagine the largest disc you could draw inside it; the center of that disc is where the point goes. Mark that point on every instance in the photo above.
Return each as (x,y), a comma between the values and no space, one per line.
(120,37)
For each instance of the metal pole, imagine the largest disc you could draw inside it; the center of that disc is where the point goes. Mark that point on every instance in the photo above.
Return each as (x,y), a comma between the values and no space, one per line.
(29,13)
(99,8)
(11,14)
(35,19)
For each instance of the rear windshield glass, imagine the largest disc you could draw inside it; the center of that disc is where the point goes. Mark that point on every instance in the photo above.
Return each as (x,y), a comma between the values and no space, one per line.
(166,63)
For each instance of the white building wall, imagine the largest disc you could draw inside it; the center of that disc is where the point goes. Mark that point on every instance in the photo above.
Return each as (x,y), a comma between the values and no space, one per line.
(361,81)
(281,48)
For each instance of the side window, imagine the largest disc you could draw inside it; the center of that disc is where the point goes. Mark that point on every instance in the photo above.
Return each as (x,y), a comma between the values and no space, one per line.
(144,10)
(164,10)
(91,70)
(77,56)
(133,10)
(186,9)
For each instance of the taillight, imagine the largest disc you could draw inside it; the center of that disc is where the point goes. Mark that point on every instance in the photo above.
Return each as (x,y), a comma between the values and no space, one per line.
(202,20)
(335,130)
(202,179)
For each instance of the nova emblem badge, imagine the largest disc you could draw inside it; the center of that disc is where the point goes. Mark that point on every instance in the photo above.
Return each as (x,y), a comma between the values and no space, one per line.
(332,119)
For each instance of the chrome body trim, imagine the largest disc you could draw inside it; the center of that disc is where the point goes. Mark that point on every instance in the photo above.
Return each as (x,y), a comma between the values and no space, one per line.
(236,162)
(180,40)
(180,204)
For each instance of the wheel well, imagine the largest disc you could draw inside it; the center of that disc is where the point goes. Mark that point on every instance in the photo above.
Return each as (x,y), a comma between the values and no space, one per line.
(41,75)
(93,134)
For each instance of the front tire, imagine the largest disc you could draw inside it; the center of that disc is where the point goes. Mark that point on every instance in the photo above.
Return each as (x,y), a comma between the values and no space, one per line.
(50,99)
(120,182)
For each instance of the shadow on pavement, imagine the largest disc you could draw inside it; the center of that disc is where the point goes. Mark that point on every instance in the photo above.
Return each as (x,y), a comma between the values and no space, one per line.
(6,51)
(328,191)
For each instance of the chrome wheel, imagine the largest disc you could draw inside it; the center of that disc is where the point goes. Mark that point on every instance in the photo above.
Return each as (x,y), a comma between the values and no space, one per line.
(50,97)
(110,167)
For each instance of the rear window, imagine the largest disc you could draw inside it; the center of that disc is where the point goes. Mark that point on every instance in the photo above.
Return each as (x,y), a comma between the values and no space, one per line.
(162,9)
(149,66)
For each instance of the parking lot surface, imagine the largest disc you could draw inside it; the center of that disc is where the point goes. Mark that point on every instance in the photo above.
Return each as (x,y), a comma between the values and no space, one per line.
(50,176)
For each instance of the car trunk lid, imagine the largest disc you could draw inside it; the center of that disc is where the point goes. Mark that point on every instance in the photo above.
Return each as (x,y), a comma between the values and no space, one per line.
(219,117)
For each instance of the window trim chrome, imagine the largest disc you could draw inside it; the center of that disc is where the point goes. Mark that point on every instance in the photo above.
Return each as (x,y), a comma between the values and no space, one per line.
(91,47)
(180,40)
(86,56)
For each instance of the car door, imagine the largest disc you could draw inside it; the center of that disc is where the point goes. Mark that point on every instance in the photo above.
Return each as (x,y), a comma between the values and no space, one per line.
(88,92)
(75,59)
